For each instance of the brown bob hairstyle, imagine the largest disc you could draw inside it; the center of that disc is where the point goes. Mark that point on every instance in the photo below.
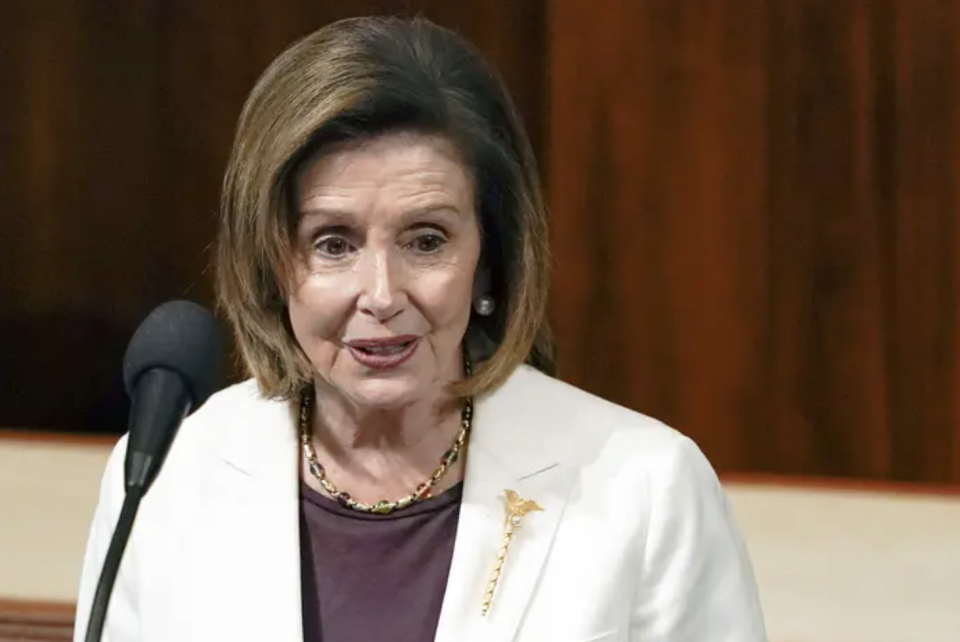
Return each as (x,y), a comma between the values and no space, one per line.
(352,80)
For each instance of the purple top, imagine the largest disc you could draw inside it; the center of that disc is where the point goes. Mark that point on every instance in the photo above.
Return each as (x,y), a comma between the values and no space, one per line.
(375,577)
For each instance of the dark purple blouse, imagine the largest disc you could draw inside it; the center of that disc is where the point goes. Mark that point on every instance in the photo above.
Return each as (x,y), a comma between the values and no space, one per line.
(375,577)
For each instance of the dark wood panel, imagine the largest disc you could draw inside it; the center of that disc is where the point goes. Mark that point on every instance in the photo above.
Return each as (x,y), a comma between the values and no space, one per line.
(903,490)
(754,205)
(118,120)
(824,371)
(83,244)
(57,438)
(926,252)
(657,163)
(755,211)
(36,621)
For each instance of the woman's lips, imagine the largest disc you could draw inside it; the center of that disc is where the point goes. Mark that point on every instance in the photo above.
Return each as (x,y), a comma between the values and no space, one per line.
(380,354)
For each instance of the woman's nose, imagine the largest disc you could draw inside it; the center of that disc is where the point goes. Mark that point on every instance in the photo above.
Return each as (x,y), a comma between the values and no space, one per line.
(382,295)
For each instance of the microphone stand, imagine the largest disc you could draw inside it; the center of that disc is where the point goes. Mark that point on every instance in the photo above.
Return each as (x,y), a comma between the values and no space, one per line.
(161,403)
(111,565)
(170,367)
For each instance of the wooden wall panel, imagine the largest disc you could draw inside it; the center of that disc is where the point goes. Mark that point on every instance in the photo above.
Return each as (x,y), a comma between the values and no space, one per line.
(926,254)
(118,118)
(82,239)
(755,225)
(36,622)
(754,205)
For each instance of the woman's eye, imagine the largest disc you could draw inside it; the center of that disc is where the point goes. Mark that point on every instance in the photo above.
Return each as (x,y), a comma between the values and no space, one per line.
(428,243)
(333,246)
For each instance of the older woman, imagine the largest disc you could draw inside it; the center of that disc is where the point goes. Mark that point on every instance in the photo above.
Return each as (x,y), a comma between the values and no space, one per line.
(401,465)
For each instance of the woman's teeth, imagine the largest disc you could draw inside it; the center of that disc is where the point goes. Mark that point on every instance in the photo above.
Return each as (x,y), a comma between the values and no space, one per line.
(391,349)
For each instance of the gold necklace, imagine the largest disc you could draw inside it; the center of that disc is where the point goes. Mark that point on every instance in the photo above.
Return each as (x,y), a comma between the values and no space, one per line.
(382,507)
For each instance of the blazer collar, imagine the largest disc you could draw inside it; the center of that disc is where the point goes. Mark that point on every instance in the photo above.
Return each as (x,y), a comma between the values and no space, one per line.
(507,451)
(246,558)
(265,439)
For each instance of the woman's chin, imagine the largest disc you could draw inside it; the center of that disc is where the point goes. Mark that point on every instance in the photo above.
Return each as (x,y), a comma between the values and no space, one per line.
(387,394)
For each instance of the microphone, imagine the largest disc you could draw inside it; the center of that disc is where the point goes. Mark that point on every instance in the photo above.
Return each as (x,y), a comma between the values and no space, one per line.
(172,365)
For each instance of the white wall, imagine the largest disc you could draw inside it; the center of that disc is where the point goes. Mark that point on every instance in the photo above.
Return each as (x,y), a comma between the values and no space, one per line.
(853,566)
(47,495)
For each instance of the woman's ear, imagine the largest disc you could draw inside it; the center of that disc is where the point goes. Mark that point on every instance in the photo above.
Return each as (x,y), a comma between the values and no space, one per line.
(483,301)
(482,281)
(480,346)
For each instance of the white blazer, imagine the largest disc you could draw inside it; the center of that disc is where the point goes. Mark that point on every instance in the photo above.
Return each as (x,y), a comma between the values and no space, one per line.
(636,541)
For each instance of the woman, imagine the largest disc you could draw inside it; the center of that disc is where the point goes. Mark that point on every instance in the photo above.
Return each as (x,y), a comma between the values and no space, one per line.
(401,465)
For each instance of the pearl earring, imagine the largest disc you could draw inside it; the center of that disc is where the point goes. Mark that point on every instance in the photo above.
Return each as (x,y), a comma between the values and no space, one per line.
(484,305)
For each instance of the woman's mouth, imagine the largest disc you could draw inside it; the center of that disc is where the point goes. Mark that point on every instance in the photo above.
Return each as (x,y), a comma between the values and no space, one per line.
(380,354)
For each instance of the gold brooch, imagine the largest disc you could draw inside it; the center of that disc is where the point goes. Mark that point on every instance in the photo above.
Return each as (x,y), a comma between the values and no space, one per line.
(516,507)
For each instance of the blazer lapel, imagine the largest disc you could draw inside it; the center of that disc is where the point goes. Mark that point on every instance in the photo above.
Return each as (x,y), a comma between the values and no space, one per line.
(502,455)
(250,568)
(245,550)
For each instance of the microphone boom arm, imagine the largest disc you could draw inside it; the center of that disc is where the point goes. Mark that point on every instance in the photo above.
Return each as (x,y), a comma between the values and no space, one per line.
(111,565)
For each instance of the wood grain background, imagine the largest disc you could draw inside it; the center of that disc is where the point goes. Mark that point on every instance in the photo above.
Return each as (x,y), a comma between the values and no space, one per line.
(118,119)
(754,205)
(755,209)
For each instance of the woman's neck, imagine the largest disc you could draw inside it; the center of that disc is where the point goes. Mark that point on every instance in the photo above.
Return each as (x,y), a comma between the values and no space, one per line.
(346,426)
(376,453)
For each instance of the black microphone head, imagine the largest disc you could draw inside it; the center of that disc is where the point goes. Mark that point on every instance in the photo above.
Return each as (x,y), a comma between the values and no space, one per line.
(183,337)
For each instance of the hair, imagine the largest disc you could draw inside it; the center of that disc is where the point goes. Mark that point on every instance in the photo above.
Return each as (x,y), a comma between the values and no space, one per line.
(353,80)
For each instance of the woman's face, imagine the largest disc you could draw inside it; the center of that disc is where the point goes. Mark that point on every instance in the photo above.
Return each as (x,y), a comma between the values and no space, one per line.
(389,243)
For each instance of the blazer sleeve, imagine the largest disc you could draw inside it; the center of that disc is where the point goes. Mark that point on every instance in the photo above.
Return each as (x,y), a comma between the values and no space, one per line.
(122,623)
(697,582)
